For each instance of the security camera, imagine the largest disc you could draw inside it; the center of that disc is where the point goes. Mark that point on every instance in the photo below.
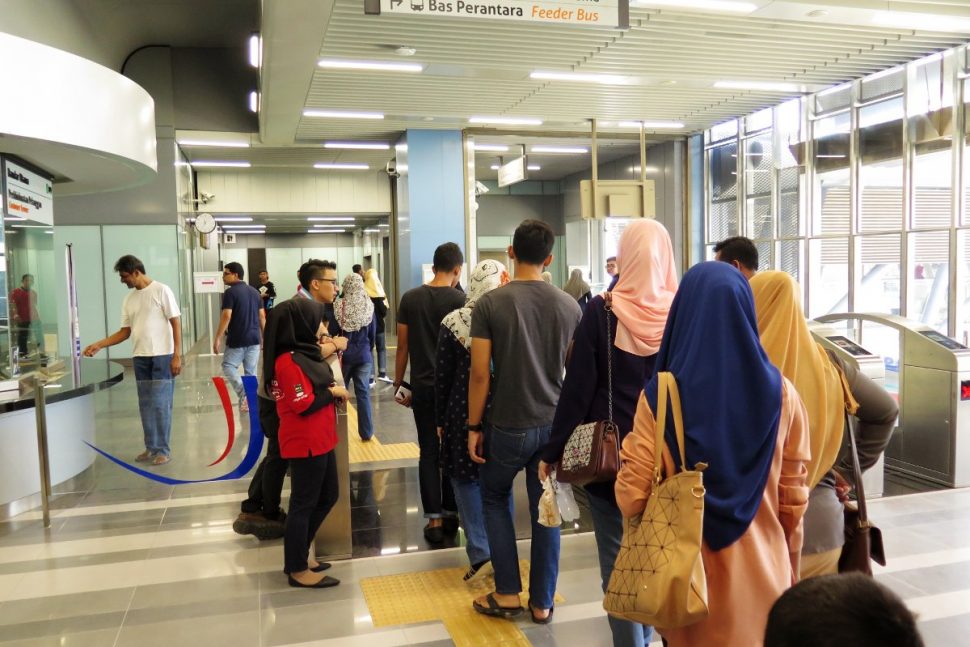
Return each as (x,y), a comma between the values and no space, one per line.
(480,189)
(205,198)
(391,169)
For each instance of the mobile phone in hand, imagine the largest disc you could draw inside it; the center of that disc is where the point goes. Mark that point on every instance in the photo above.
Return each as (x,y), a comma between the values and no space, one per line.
(403,393)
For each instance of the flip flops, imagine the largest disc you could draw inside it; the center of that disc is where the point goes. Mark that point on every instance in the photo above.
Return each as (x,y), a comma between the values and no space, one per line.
(495,610)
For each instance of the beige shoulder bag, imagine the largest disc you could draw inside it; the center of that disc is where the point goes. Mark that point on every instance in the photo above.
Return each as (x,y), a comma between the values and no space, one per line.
(658,578)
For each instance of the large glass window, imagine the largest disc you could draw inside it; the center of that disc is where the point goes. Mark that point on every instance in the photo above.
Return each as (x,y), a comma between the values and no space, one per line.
(878,287)
(723,208)
(929,278)
(881,173)
(828,276)
(831,164)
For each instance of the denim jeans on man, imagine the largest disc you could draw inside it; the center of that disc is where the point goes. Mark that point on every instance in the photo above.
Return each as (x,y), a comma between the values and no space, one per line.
(508,452)
(608,530)
(360,375)
(248,356)
(156,391)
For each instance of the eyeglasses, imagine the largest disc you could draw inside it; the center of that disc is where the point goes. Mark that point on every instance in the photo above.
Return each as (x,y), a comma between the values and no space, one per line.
(334,281)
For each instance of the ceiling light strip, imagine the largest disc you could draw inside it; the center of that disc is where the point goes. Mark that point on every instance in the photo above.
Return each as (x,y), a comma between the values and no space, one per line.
(364,146)
(374,66)
(211,164)
(341,166)
(342,114)
(506,121)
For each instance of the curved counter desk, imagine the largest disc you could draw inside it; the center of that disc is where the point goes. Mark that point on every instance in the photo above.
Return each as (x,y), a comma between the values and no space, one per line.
(70,421)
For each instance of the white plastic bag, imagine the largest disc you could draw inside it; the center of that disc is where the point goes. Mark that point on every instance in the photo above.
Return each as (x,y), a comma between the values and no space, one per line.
(566,502)
(548,506)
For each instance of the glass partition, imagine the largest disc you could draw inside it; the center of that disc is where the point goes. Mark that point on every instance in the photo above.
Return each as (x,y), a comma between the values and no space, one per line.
(30,288)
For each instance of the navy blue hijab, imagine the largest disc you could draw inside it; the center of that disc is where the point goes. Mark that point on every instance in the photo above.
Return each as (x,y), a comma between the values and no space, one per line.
(730,393)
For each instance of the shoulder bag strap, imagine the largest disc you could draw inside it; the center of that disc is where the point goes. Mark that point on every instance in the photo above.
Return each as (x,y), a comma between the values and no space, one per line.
(857,473)
(678,419)
(661,420)
(608,306)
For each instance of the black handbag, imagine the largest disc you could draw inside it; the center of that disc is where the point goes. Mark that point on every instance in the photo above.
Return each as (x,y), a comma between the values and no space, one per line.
(592,453)
(863,541)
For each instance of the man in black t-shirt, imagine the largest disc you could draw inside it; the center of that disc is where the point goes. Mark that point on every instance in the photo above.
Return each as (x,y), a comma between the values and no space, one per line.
(242,321)
(267,291)
(418,320)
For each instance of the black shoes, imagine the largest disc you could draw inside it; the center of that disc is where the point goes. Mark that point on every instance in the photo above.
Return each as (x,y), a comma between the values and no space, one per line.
(450,525)
(434,534)
(325,583)
(257,524)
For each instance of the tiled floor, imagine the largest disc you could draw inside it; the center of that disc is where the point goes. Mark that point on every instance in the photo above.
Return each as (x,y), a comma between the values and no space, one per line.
(131,562)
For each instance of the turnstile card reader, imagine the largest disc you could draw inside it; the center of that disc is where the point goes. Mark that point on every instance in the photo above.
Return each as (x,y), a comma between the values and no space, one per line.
(933,438)
(869,364)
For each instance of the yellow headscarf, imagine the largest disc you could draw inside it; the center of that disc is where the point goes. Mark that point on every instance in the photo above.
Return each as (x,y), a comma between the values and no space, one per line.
(373,285)
(790,347)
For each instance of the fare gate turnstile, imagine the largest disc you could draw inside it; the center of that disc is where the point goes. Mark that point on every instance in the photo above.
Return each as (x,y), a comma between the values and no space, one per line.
(872,366)
(932,441)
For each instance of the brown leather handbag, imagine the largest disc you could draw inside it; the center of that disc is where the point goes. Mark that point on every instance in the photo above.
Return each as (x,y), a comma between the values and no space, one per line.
(592,453)
(863,541)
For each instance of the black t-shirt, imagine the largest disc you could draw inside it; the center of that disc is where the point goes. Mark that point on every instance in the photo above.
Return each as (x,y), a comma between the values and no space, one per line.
(245,303)
(422,310)
(267,290)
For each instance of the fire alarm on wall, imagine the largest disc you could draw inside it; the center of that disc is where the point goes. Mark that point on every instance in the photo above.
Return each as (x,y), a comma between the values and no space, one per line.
(229,239)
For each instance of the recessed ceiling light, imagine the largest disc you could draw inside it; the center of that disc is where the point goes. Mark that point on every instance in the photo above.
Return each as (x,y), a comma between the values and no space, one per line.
(247,231)
(375,66)
(559,149)
(325,231)
(651,125)
(342,114)
(213,143)
(383,225)
(766,86)
(506,121)
(495,148)
(254,101)
(368,146)
(221,164)
(331,218)
(929,22)
(372,231)
(711,5)
(255,50)
(531,167)
(233,219)
(243,226)
(341,166)
(582,77)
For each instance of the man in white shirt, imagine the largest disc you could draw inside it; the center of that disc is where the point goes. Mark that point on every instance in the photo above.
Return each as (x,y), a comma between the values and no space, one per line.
(150,316)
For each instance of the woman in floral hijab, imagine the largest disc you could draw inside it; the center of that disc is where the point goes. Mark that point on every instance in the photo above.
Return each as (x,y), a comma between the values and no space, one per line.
(355,314)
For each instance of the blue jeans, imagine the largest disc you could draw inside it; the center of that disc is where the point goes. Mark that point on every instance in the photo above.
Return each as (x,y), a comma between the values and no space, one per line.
(156,391)
(248,356)
(381,353)
(360,374)
(468,497)
(608,529)
(508,452)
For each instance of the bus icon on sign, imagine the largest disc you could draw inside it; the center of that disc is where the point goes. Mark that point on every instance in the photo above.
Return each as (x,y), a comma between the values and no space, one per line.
(417,5)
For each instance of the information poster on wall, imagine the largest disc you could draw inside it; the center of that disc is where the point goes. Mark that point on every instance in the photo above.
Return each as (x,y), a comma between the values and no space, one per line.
(29,196)
(208,282)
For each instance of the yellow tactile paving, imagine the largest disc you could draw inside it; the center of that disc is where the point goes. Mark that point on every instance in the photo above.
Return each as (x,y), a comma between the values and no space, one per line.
(374,451)
(426,596)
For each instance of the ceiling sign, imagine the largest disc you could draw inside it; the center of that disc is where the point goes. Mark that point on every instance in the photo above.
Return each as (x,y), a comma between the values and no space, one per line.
(512,172)
(29,196)
(595,13)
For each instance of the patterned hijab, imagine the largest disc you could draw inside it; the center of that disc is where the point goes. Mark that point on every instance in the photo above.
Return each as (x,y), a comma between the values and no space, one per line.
(576,287)
(355,310)
(486,276)
(730,395)
(645,288)
(790,347)
(373,285)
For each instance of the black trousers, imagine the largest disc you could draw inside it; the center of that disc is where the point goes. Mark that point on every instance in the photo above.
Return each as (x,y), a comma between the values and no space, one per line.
(437,496)
(314,491)
(267,484)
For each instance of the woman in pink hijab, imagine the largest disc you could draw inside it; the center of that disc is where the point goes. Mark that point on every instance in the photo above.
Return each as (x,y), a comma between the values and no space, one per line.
(636,313)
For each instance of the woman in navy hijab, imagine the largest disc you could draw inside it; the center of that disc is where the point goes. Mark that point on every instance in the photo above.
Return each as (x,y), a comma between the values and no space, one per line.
(748,424)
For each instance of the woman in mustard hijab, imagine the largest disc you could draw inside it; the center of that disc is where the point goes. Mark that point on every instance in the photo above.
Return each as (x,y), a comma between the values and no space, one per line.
(829,388)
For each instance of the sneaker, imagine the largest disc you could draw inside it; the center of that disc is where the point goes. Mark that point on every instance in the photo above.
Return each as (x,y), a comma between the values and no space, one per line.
(372,383)
(144,456)
(478,571)
(161,459)
(258,525)
(383,378)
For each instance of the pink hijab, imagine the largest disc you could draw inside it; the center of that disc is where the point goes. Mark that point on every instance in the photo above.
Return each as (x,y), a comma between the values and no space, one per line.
(645,290)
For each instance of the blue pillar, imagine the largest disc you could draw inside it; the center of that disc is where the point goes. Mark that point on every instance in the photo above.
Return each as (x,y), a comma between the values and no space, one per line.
(430,199)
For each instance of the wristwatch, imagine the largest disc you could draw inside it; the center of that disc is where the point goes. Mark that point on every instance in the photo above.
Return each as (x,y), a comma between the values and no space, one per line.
(475,427)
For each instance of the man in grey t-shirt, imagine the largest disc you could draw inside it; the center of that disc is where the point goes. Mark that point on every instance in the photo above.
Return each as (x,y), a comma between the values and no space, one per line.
(522,329)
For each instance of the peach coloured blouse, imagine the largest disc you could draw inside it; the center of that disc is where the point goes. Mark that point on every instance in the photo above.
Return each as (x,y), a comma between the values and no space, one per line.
(744,579)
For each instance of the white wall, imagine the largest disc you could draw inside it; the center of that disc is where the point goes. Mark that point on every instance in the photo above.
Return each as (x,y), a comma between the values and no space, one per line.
(295,191)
